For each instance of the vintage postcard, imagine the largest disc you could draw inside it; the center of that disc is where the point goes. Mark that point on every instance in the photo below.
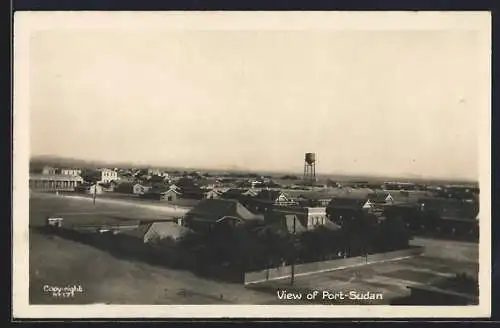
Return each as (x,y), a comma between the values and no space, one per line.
(251,164)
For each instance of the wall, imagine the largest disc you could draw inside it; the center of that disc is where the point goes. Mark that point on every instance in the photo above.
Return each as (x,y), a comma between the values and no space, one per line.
(315,267)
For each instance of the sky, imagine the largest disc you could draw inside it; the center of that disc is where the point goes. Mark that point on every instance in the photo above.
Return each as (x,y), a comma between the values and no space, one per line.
(392,103)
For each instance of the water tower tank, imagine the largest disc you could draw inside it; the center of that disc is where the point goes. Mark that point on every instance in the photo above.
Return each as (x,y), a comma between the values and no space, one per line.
(310,158)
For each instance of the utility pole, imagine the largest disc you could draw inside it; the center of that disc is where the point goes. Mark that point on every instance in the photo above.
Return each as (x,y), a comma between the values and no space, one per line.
(366,254)
(293,256)
(96,181)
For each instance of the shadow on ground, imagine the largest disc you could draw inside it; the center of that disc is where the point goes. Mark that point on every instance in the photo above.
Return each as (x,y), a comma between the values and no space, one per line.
(134,249)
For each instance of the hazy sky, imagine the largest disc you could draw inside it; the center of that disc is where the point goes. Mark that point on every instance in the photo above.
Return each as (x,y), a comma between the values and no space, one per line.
(382,102)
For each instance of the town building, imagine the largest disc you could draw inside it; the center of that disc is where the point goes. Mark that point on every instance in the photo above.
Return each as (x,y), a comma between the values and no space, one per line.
(197,193)
(114,184)
(90,188)
(69,171)
(321,199)
(450,208)
(405,196)
(154,231)
(348,207)
(157,172)
(49,170)
(174,187)
(168,195)
(207,183)
(140,189)
(277,197)
(54,182)
(267,198)
(108,186)
(459,192)
(211,194)
(108,175)
(210,213)
(126,177)
(299,219)
(381,198)
(395,185)
(239,194)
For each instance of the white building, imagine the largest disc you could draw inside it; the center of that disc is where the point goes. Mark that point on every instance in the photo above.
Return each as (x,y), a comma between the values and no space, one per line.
(139,189)
(48,170)
(73,172)
(158,172)
(108,175)
(309,217)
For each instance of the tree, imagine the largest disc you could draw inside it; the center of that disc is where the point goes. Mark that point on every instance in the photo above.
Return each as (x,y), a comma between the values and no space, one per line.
(393,234)
(156,179)
(263,244)
(91,176)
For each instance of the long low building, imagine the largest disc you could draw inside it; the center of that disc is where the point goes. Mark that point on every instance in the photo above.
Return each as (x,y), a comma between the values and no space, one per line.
(54,182)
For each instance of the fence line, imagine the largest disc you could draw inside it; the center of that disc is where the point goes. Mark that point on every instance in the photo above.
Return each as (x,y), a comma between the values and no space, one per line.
(325,266)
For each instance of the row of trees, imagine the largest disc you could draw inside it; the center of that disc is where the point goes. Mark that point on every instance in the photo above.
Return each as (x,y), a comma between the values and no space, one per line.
(255,245)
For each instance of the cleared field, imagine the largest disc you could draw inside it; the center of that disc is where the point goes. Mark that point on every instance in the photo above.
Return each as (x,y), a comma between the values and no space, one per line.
(131,198)
(82,210)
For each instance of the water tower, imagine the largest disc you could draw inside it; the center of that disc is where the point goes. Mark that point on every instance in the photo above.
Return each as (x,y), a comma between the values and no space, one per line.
(310,168)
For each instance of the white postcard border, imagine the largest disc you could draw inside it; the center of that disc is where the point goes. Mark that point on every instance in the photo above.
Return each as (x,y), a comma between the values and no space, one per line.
(26,22)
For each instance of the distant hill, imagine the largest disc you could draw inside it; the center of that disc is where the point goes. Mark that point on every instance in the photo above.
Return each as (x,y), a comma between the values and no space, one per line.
(56,161)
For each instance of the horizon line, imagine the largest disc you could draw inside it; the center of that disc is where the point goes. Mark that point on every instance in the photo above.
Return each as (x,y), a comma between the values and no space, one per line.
(407,176)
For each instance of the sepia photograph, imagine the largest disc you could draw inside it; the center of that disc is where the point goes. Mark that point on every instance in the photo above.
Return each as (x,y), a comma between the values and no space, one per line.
(251,164)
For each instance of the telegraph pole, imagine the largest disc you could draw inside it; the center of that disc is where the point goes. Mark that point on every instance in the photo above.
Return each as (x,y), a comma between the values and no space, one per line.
(292,277)
(96,181)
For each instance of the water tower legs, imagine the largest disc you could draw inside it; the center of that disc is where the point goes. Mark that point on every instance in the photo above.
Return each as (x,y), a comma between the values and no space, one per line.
(310,172)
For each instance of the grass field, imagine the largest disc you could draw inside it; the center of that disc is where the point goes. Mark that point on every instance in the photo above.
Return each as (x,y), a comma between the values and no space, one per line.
(107,279)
